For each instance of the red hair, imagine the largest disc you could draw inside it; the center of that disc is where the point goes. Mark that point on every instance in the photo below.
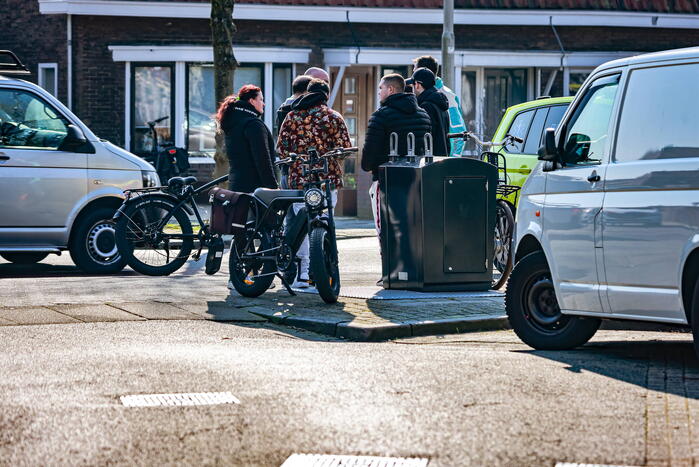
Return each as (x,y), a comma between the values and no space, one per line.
(245,93)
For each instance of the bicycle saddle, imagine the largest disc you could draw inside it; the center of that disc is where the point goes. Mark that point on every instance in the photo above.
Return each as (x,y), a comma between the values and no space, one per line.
(182,181)
(267,195)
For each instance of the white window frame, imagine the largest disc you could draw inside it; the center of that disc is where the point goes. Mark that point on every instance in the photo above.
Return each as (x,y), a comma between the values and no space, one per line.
(40,76)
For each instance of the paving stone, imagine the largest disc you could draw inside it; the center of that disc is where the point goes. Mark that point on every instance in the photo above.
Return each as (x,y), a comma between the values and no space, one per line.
(33,315)
(220,311)
(95,313)
(4,322)
(321,324)
(156,310)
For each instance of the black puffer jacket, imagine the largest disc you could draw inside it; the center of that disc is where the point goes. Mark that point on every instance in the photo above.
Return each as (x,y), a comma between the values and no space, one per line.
(250,149)
(398,113)
(436,105)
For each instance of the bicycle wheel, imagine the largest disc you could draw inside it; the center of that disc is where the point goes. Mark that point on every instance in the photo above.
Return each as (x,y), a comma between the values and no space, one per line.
(149,249)
(502,254)
(251,277)
(324,267)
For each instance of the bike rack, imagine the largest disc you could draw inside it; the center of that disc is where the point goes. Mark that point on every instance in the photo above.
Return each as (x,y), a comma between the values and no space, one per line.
(13,67)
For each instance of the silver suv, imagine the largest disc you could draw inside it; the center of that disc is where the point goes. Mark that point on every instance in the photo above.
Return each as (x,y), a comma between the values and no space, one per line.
(608,223)
(59,183)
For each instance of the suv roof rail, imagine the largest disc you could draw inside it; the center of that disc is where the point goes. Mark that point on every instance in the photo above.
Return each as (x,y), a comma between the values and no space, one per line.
(543,97)
(10,64)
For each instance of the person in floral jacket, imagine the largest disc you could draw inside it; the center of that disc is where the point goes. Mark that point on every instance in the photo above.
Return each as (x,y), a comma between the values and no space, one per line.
(311,124)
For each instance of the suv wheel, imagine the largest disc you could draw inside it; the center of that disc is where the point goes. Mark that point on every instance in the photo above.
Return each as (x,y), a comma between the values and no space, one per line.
(533,311)
(93,246)
(24,257)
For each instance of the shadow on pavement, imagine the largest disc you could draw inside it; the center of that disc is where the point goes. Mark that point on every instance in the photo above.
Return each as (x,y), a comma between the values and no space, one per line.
(42,270)
(634,362)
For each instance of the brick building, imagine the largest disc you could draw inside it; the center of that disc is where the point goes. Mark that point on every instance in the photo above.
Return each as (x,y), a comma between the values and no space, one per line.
(118,63)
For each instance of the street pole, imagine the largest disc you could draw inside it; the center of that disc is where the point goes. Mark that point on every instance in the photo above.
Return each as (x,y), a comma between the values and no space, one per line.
(448,44)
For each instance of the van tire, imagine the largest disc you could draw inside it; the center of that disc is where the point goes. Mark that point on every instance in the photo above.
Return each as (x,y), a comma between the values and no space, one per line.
(694,317)
(84,240)
(532,309)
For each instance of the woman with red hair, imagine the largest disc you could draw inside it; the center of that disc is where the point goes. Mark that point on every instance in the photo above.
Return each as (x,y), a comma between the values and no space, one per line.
(249,143)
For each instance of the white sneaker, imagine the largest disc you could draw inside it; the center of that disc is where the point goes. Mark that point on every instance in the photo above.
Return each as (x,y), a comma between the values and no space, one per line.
(230,285)
(300,284)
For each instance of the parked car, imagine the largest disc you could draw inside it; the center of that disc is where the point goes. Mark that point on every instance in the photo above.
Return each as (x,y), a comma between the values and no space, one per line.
(528,122)
(59,183)
(608,223)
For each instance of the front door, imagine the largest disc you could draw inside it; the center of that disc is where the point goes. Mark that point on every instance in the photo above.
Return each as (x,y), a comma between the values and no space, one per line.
(504,87)
(574,196)
(39,183)
(353,101)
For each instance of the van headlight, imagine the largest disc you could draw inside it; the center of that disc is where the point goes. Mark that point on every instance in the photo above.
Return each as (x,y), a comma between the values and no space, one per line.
(313,197)
(150,179)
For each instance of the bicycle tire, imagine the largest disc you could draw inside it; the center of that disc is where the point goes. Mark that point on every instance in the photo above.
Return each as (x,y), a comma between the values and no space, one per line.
(242,272)
(325,270)
(502,253)
(131,236)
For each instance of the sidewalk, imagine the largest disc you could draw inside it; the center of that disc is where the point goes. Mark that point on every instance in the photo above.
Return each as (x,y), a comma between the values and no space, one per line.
(357,319)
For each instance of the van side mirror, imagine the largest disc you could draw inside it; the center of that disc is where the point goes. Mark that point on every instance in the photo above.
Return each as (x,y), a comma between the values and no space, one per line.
(549,151)
(75,141)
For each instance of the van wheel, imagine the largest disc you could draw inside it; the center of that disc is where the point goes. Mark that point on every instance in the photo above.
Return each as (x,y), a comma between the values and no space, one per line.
(533,311)
(93,246)
(24,257)
(695,317)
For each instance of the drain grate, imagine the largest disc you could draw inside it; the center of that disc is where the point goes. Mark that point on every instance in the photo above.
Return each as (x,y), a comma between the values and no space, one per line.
(172,400)
(324,460)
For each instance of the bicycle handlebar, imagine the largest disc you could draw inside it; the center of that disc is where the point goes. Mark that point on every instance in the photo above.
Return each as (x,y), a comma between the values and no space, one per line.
(337,152)
(466,135)
(152,123)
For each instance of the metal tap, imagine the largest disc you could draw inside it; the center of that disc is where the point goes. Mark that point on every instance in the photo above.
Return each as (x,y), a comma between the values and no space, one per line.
(429,157)
(393,145)
(411,147)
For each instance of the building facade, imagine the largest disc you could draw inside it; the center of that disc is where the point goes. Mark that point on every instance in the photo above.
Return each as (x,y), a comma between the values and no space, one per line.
(120,63)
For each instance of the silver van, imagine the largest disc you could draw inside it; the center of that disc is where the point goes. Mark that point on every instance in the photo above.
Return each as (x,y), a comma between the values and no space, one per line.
(608,222)
(59,183)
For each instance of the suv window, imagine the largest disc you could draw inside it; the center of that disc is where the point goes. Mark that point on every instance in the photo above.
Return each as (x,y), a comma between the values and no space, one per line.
(519,128)
(586,139)
(659,117)
(531,143)
(27,121)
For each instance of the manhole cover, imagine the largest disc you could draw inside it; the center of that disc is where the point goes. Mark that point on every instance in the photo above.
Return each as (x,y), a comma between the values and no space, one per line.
(170,400)
(326,460)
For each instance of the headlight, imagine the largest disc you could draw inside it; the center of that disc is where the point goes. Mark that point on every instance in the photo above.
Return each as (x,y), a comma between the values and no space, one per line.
(150,179)
(313,197)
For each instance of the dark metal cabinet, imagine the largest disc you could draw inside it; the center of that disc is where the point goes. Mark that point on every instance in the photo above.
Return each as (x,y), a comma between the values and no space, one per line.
(437,224)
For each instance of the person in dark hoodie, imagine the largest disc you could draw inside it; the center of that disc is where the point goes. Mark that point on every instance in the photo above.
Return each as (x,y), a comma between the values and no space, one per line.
(399,113)
(312,124)
(249,143)
(436,105)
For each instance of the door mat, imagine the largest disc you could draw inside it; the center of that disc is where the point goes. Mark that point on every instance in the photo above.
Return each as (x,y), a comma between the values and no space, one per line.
(379,293)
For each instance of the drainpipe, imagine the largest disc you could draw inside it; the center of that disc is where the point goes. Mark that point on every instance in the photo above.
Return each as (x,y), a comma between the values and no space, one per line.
(448,44)
(69,77)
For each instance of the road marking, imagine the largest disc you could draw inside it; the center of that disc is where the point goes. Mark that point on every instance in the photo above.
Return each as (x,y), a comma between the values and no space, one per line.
(327,460)
(173,400)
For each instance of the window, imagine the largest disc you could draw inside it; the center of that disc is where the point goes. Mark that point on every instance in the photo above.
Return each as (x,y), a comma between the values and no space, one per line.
(533,140)
(468,107)
(152,93)
(281,82)
(26,121)
(201,103)
(554,117)
(48,77)
(587,134)
(577,78)
(659,116)
(519,128)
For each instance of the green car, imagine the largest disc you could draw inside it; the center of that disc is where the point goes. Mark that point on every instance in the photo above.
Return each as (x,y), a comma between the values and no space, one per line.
(528,121)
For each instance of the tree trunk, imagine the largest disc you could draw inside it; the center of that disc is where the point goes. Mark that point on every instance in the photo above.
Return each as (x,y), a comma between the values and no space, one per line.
(222,31)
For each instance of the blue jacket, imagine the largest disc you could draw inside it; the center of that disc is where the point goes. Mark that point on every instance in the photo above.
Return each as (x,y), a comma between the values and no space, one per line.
(456,117)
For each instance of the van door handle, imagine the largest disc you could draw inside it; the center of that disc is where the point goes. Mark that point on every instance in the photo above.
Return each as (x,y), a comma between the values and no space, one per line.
(4,157)
(594,177)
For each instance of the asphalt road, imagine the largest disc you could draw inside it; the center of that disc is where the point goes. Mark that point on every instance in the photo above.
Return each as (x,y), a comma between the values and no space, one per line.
(476,399)
(627,398)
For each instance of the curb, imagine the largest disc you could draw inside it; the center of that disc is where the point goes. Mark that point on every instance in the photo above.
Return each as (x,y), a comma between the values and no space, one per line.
(378,332)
